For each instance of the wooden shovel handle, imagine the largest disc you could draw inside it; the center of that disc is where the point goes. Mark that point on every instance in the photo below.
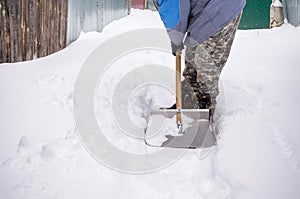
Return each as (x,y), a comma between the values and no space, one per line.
(178,87)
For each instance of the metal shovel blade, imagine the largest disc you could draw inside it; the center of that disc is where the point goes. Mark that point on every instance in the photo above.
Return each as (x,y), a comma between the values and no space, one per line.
(196,129)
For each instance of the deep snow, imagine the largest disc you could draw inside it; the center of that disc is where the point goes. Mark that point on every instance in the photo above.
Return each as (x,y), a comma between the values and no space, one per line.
(257,154)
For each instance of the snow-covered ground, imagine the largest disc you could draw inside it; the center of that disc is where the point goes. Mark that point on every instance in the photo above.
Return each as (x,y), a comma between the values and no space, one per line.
(257,154)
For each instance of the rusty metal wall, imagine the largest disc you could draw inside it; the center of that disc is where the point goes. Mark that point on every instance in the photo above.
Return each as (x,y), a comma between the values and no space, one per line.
(292,11)
(139,4)
(93,15)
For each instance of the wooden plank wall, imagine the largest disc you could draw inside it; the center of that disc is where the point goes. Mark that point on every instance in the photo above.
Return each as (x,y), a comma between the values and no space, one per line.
(31,28)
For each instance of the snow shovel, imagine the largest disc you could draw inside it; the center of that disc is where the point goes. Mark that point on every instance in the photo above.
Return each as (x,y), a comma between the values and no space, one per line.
(179,128)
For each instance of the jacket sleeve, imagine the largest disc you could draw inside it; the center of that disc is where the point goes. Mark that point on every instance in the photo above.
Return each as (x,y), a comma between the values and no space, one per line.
(174,14)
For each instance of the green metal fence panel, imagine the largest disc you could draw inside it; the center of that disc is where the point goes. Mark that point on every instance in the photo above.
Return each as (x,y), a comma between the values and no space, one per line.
(256,14)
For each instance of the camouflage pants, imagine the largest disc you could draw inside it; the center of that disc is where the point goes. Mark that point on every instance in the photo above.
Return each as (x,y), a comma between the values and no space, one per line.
(203,66)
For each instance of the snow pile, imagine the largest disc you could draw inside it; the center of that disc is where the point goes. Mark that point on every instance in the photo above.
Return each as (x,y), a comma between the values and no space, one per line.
(257,154)
(276,3)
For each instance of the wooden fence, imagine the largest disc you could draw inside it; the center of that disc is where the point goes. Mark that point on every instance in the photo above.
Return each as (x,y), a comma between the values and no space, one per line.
(31,28)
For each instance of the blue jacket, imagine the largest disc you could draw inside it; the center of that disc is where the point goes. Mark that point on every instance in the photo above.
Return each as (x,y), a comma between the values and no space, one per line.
(201,19)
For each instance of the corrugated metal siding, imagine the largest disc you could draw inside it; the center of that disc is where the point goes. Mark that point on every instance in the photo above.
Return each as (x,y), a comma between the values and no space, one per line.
(93,15)
(74,23)
(292,11)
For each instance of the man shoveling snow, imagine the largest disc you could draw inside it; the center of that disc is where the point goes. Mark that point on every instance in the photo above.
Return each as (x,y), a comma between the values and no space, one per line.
(207,29)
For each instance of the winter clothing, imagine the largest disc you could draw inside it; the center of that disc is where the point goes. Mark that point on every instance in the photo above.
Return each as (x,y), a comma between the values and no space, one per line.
(201,19)
(205,62)
(175,48)
(210,26)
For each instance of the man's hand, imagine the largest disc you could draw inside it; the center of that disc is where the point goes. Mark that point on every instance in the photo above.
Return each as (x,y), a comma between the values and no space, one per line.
(175,48)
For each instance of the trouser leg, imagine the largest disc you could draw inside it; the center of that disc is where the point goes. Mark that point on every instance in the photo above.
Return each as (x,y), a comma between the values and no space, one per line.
(205,62)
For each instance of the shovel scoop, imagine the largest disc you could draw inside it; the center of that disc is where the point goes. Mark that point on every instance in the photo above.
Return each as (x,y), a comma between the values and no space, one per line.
(179,128)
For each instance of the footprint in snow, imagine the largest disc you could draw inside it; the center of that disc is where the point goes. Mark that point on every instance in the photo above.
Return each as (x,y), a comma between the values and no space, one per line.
(284,146)
(55,89)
